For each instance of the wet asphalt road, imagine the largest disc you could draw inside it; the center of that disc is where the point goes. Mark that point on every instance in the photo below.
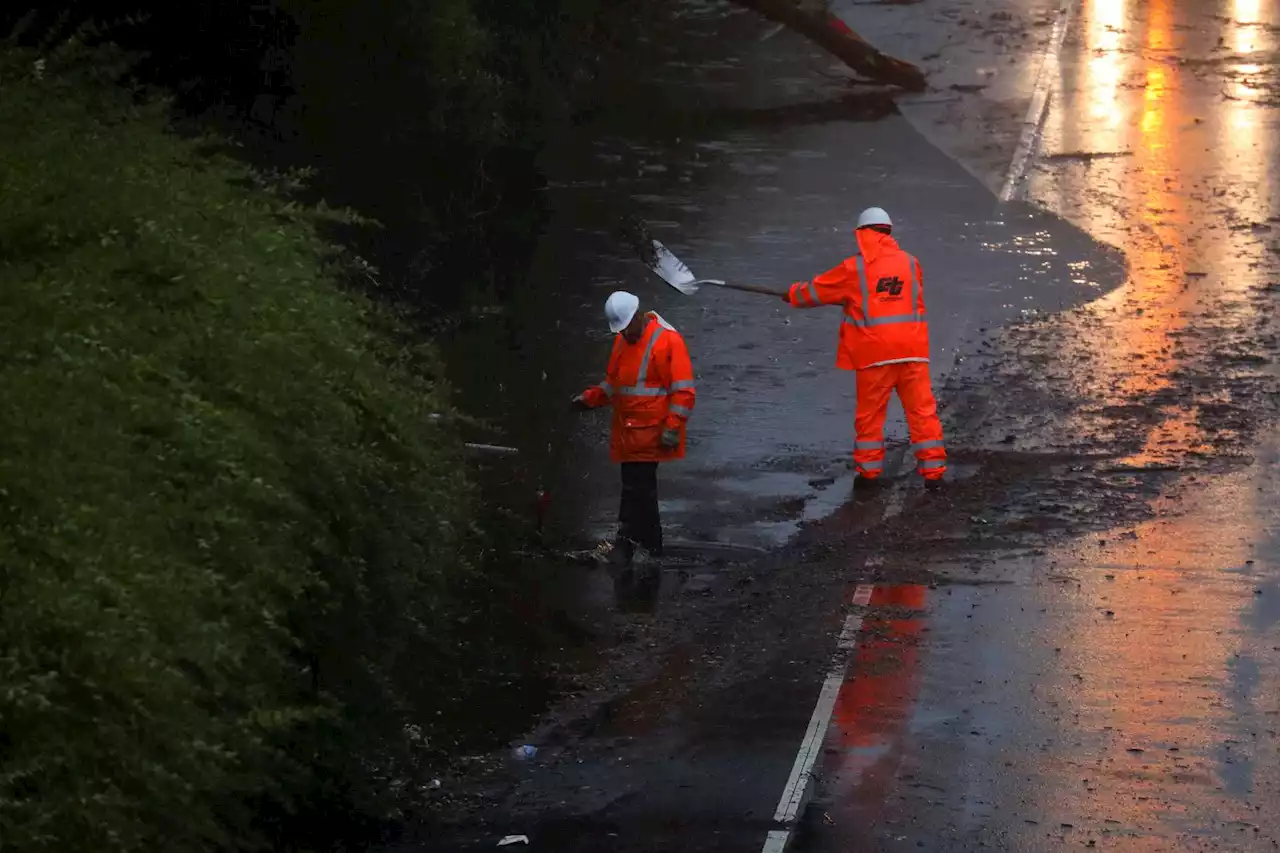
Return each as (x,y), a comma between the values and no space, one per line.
(1116,689)
(751,161)
(1117,694)
(1078,645)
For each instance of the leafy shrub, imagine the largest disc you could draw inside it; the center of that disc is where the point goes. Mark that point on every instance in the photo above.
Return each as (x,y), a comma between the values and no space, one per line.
(230,531)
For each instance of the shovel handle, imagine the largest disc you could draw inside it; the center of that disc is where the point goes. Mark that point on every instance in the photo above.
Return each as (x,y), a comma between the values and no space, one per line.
(751,288)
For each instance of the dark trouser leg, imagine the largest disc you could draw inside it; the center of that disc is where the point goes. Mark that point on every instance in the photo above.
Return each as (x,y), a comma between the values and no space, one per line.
(638,518)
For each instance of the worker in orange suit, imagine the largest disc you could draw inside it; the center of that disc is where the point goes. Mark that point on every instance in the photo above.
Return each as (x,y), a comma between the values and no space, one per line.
(649,383)
(885,339)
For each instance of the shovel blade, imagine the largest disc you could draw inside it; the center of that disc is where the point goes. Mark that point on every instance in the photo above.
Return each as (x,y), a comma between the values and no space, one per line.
(672,270)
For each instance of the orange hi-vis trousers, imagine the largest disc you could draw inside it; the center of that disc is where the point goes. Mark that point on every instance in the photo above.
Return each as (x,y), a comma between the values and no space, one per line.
(911,381)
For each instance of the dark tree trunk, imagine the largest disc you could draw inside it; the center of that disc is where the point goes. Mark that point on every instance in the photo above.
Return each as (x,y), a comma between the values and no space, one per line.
(833,35)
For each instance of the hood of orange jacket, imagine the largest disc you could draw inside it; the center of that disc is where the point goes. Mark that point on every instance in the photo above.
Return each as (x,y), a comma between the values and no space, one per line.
(873,244)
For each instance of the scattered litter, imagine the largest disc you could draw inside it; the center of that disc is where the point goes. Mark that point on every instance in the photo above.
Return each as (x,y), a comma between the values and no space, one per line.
(513,839)
(520,753)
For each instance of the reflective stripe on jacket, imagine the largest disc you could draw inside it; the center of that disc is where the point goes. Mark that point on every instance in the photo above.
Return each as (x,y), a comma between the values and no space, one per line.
(882,291)
(651,388)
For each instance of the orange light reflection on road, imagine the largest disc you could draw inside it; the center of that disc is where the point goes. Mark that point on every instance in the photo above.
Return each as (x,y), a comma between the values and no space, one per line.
(1246,12)
(1244,41)
(1153,116)
(1155,247)
(874,705)
(1106,64)
(1199,164)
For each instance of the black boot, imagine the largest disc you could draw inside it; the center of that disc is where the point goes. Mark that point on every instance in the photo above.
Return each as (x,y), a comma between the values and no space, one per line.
(867,484)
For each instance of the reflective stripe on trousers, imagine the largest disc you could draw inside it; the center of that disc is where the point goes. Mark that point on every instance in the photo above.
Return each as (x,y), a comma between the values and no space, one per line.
(911,382)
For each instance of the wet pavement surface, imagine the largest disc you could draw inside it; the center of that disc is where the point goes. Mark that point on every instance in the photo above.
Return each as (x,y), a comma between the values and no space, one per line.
(750,160)
(1117,693)
(1077,645)
(1115,685)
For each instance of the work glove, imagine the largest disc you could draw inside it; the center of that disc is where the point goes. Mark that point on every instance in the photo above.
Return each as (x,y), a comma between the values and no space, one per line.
(671,438)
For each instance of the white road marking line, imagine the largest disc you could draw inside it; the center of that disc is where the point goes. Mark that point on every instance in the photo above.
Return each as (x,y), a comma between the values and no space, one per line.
(776,841)
(849,635)
(893,506)
(801,779)
(773,32)
(1031,125)
(802,771)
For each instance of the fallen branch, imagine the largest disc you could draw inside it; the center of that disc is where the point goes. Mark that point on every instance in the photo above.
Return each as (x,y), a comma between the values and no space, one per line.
(833,35)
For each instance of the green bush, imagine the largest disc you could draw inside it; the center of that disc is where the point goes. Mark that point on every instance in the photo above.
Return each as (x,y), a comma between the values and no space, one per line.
(229,529)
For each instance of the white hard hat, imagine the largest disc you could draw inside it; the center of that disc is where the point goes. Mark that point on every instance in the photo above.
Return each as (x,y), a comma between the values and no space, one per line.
(619,309)
(874,216)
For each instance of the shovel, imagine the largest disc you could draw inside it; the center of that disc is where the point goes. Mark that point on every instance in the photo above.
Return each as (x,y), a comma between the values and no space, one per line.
(673,271)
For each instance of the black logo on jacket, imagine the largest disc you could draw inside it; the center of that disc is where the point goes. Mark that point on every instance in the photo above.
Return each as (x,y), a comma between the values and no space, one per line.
(891,285)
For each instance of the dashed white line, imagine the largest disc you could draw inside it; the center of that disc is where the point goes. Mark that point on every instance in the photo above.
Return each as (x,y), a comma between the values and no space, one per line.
(892,509)
(799,784)
(793,795)
(777,841)
(1031,125)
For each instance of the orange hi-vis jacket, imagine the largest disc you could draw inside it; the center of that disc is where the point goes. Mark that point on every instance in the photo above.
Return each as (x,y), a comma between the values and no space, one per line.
(882,292)
(650,386)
